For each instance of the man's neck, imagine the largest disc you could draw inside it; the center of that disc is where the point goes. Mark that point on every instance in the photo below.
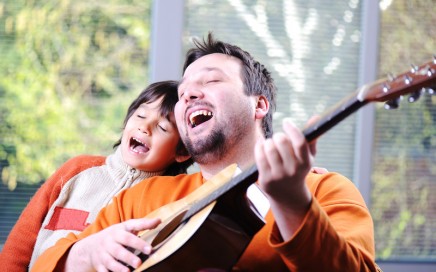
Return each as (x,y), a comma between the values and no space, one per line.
(242,156)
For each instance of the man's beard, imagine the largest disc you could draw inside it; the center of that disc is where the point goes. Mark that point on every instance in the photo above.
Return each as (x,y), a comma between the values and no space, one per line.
(207,150)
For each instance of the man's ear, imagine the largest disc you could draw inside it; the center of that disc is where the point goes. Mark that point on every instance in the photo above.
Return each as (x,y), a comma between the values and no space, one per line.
(182,158)
(262,107)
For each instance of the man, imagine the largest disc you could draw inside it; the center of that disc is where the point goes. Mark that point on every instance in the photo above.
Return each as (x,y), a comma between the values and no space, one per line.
(224,115)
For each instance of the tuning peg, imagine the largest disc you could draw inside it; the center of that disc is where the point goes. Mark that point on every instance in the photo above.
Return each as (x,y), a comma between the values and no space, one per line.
(429,91)
(391,77)
(414,68)
(415,96)
(393,104)
(407,79)
(386,87)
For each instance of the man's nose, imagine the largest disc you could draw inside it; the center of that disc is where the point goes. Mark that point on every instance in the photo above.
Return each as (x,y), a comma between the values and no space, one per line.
(193,92)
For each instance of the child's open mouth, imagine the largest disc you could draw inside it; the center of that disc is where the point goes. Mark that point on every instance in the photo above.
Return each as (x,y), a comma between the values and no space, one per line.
(138,146)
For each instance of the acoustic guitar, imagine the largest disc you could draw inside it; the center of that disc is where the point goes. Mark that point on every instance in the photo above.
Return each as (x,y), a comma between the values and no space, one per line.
(216,222)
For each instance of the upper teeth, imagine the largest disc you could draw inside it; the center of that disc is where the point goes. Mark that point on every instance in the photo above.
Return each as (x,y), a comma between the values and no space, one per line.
(197,113)
(139,141)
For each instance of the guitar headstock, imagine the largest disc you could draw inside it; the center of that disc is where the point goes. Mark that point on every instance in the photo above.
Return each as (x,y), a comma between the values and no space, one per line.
(416,81)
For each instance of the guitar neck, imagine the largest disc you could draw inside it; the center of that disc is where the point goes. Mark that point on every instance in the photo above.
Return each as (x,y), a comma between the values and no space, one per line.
(241,181)
(331,118)
(382,90)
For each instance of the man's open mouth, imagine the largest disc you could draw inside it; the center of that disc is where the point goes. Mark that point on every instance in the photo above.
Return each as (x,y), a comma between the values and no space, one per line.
(198,117)
(138,146)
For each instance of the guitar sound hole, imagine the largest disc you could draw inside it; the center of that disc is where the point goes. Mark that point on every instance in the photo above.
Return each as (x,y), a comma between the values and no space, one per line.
(169,228)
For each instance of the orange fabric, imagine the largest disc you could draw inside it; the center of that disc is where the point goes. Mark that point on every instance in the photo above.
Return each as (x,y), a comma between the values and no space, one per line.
(336,235)
(17,250)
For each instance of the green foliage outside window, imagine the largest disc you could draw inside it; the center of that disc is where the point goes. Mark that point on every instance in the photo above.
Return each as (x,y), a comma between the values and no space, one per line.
(69,70)
(403,203)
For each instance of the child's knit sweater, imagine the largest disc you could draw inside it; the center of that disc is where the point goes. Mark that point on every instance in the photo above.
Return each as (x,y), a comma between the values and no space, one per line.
(67,202)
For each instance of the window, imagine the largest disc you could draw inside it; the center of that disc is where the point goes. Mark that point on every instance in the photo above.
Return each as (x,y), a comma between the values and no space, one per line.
(306,45)
(404,175)
(317,52)
(69,71)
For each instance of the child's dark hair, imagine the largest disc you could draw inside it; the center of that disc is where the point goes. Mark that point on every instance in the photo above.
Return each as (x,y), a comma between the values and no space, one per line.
(167,90)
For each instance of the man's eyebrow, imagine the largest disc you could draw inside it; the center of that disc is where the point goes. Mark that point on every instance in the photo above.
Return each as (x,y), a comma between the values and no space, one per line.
(205,69)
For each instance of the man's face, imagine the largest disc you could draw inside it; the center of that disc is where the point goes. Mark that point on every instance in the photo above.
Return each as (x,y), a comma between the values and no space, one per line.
(213,113)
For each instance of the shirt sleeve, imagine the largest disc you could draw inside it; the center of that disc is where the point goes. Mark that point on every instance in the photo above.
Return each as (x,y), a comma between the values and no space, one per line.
(336,234)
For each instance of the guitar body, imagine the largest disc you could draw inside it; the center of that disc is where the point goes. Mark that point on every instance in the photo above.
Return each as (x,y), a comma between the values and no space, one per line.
(217,243)
(215,236)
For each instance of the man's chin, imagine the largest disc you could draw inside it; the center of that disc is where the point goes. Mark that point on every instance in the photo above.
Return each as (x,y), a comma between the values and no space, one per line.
(207,149)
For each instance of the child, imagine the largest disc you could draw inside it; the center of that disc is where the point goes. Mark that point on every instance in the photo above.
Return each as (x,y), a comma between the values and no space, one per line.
(71,198)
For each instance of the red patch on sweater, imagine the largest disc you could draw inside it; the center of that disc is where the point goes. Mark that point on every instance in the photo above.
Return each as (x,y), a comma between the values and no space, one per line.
(68,219)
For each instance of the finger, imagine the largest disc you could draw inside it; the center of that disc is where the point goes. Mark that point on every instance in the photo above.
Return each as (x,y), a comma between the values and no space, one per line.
(132,241)
(101,268)
(312,147)
(122,257)
(301,149)
(135,225)
(260,157)
(312,144)
(116,266)
(319,170)
(106,262)
(272,153)
(312,120)
(286,151)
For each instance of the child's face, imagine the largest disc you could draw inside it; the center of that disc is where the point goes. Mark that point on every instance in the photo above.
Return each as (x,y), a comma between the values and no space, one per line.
(149,140)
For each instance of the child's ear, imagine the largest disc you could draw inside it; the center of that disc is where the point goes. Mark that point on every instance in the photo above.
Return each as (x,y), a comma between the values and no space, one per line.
(182,158)
(182,153)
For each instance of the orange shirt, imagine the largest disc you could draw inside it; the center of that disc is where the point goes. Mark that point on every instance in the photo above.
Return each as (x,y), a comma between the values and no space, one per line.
(336,234)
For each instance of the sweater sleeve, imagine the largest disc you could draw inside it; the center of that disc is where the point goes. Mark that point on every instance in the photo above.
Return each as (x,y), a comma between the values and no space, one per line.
(54,257)
(336,234)
(18,247)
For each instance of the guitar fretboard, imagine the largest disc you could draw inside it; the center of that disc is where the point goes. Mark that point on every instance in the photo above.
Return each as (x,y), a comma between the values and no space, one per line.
(333,117)
(245,179)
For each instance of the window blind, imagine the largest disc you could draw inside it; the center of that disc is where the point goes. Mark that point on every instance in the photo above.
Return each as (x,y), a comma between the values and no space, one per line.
(404,175)
(310,47)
